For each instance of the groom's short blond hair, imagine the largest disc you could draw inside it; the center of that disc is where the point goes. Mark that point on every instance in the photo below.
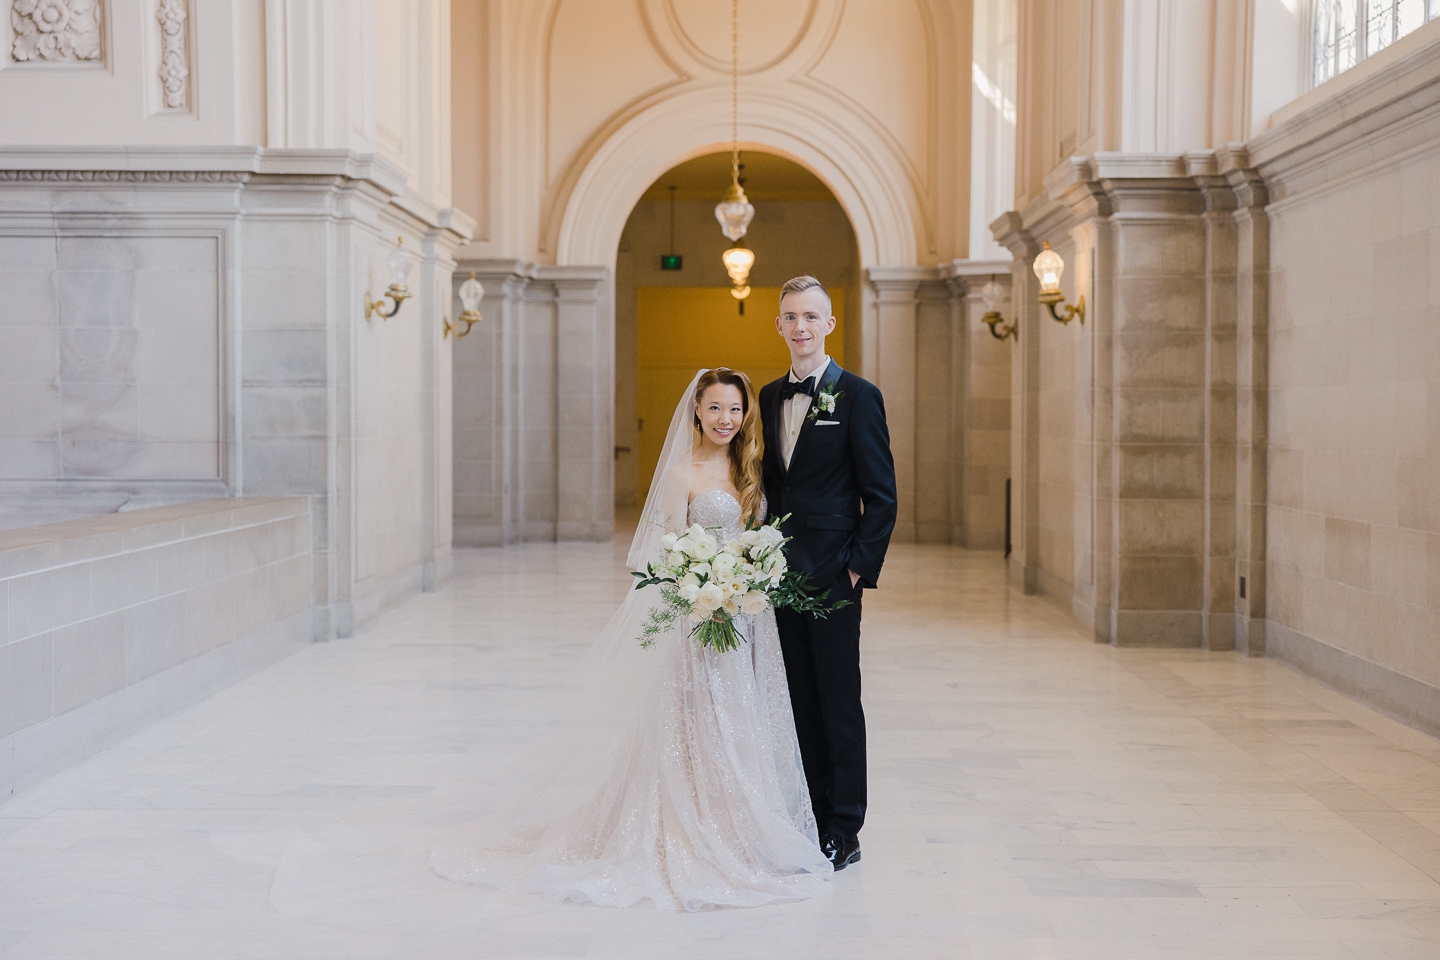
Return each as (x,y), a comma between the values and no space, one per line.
(800,285)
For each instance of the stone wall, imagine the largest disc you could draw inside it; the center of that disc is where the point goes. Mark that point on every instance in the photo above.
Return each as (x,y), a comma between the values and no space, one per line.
(1353,533)
(108,623)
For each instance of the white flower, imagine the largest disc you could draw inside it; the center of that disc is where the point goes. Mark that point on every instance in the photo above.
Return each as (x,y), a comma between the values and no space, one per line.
(700,569)
(708,599)
(724,563)
(703,546)
(668,542)
(689,592)
(748,539)
(676,560)
(753,602)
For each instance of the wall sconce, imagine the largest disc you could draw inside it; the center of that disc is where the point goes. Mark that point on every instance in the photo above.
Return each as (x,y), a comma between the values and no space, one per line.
(399,266)
(738,260)
(1000,330)
(1049,267)
(471,293)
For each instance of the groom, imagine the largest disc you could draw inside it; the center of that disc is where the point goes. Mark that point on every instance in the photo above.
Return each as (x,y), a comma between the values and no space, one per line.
(828,466)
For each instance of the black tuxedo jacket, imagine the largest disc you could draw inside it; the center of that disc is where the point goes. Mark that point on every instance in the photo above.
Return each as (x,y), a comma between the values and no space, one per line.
(840,488)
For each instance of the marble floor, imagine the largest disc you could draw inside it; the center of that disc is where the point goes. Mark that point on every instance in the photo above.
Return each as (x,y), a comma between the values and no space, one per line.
(1033,795)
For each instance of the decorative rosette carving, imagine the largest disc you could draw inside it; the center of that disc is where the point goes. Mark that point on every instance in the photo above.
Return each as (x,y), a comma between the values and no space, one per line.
(55,30)
(174,55)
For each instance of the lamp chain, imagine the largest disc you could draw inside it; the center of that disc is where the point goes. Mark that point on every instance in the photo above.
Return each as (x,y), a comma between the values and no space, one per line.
(735,90)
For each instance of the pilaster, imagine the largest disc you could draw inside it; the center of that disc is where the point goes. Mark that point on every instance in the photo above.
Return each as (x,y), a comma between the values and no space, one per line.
(897,303)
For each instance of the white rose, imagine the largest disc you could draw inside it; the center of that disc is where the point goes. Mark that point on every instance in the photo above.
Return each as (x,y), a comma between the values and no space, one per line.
(689,591)
(731,607)
(708,599)
(723,564)
(705,546)
(676,560)
(668,542)
(753,602)
(749,538)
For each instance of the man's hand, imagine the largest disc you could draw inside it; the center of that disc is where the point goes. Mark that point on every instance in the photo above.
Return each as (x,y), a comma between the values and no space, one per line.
(854,578)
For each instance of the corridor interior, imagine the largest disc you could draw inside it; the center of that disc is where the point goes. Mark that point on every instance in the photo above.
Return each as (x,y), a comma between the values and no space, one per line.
(1033,794)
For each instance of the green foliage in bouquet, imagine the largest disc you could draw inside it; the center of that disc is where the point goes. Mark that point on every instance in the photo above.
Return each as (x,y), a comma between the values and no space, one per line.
(714,582)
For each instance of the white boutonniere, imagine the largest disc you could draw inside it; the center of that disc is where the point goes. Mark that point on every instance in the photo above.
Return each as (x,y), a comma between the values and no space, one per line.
(825,403)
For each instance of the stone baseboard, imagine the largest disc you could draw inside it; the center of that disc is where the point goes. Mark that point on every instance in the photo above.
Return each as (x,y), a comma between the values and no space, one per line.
(1410,701)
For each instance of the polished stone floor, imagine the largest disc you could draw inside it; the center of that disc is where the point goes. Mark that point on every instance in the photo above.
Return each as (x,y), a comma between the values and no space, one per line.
(1033,796)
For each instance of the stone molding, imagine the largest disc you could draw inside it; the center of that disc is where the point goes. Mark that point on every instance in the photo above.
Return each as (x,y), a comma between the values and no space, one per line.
(124,176)
(102,166)
(56,31)
(1382,113)
(173,17)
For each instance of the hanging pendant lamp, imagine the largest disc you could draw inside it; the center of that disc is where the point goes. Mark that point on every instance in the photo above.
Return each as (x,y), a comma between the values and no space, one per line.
(735,212)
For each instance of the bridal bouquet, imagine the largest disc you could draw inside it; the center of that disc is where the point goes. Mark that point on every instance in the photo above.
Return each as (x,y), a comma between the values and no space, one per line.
(713,582)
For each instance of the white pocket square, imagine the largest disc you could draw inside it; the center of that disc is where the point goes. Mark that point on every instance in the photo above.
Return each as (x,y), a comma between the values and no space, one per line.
(827,423)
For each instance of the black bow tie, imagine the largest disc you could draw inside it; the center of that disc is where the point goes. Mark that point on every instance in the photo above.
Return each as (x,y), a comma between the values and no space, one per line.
(792,387)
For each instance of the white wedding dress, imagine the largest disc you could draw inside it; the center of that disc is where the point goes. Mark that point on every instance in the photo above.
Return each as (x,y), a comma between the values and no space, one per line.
(679,783)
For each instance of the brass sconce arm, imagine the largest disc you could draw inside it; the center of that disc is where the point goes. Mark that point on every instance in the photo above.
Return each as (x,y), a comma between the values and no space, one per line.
(396,294)
(998,328)
(1071,311)
(467,317)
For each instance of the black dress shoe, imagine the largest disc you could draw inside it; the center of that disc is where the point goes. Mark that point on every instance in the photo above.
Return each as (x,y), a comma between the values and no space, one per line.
(841,852)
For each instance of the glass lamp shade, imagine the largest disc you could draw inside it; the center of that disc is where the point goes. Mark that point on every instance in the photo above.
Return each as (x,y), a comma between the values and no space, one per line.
(734,213)
(1049,268)
(471,293)
(992,295)
(398,263)
(738,260)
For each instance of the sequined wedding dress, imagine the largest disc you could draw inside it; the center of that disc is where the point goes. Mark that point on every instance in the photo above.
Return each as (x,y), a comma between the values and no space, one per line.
(685,788)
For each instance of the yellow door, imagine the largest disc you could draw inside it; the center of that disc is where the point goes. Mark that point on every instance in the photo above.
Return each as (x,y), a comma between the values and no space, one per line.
(685,328)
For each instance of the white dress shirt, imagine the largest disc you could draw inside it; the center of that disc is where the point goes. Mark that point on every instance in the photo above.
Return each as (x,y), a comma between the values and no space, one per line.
(792,417)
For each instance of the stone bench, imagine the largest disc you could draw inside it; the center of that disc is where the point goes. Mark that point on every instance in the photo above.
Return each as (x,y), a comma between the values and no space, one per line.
(110,622)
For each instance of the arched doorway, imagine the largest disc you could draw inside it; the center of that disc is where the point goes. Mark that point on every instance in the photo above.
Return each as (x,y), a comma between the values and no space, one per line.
(669,322)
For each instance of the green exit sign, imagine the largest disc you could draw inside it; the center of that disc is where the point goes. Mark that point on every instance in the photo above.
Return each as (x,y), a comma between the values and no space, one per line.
(671,261)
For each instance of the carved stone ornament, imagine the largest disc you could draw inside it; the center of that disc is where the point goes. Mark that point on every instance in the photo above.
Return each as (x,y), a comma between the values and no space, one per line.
(174,54)
(55,30)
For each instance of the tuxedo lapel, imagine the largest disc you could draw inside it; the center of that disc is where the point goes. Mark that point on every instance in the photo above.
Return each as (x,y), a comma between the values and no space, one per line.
(832,375)
(773,444)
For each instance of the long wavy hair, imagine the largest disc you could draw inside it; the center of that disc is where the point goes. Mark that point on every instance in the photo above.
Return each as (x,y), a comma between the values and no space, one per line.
(747,447)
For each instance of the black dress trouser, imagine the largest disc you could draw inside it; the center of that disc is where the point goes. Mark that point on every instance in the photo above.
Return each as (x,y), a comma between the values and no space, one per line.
(822,664)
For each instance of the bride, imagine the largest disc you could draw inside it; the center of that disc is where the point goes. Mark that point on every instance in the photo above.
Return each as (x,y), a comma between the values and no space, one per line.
(677,778)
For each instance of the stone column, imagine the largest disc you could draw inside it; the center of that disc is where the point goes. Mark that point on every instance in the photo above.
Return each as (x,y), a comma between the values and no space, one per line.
(936,455)
(896,303)
(1252,360)
(437,498)
(1024,568)
(488,409)
(585,403)
(980,398)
